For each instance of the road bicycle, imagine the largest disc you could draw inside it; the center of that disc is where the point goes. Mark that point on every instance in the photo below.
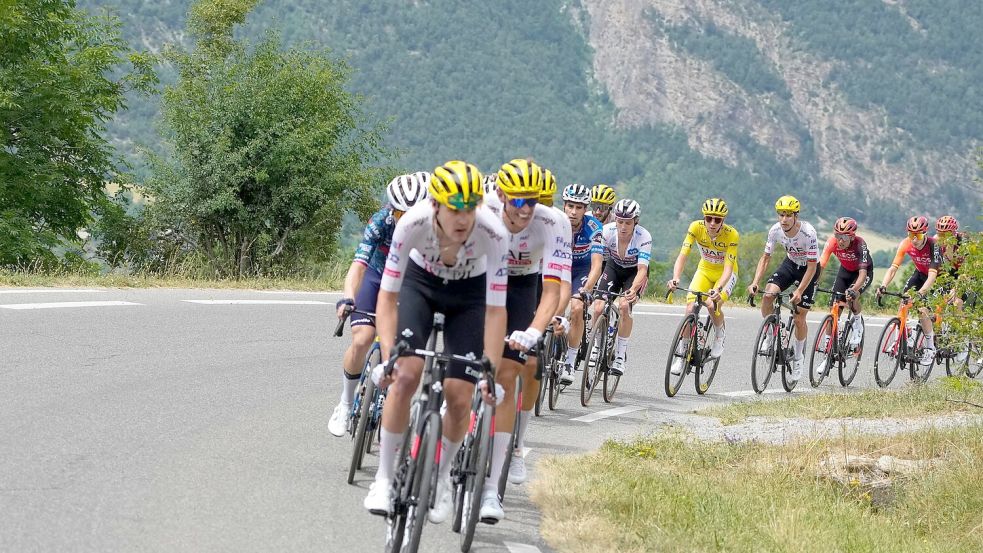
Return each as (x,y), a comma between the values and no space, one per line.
(601,352)
(692,346)
(834,343)
(414,485)
(554,354)
(365,416)
(959,357)
(900,345)
(772,348)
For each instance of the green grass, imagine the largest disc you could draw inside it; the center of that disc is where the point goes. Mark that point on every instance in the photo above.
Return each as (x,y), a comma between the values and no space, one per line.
(332,278)
(672,493)
(945,395)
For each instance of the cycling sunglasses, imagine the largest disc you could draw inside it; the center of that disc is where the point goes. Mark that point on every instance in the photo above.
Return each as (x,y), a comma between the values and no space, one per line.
(519,203)
(842,236)
(916,235)
(457,201)
(713,220)
(600,207)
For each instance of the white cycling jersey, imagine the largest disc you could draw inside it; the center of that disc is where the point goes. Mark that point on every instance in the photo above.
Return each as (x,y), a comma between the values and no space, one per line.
(485,252)
(542,247)
(638,251)
(801,248)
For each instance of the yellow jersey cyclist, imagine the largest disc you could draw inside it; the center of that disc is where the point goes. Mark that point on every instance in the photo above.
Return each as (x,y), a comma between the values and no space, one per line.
(602,198)
(627,250)
(448,255)
(800,267)
(362,285)
(539,252)
(717,271)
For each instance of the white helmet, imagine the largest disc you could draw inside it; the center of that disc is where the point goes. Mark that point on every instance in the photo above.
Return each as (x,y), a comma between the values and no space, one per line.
(576,193)
(489,184)
(627,209)
(405,191)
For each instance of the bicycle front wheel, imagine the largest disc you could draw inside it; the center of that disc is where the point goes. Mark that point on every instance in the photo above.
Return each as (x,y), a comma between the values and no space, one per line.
(560,352)
(479,461)
(764,355)
(890,350)
(849,365)
(543,360)
(681,351)
(425,482)
(595,358)
(822,347)
(367,398)
(707,367)
(787,357)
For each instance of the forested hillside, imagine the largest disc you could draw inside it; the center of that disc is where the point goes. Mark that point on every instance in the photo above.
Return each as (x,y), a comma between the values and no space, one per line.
(582,87)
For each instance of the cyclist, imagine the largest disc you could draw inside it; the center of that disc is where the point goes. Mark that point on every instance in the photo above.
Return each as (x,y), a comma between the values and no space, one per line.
(362,285)
(925,253)
(602,199)
(717,271)
(799,266)
(539,252)
(856,268)
(588,259)
(489,185)
(448,255)
(627,250)
(547,188)
(948,237)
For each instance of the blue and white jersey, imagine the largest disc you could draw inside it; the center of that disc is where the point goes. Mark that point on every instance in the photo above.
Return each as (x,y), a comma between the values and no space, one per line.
(376,240)
(637,251)
(586,242)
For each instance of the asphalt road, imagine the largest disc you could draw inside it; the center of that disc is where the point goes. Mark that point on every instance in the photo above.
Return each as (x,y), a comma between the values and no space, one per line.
(195,420)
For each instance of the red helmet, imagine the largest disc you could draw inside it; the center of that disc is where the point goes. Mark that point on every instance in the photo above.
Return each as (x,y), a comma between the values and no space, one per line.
(845,225)
(947,223)
(918,224)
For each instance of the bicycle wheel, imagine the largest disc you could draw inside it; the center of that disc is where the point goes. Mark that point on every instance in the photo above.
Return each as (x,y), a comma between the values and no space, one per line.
(559,352)
(503,479)
(974,360)
(403,485)
(610,381)
(762,358)
(542,360)
(425,481)
(890,350)
(787,357)
(595,358)
(681,348)
(822,348)
(477,470)
(917,371)
(368,398)
(707,367)
(849,365)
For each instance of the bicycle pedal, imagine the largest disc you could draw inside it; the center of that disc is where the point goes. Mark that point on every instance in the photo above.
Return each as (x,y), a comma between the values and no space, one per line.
(489,521)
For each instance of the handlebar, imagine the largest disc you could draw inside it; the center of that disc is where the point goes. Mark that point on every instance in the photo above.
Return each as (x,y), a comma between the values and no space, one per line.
(403,349)
(779,298)
(349,309)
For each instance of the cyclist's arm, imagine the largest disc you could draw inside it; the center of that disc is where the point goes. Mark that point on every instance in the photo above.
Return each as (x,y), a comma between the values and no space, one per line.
(760,269)
(861,277)
(929,282)
(353,280)
(679,265)
(893,269)
(495,322)
(565,295)
(547,304)
(386,316)
(827,251)
(807,277)
(644,256)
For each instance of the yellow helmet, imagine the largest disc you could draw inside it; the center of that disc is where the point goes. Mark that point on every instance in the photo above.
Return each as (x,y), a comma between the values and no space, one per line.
(787,203)
(456,184)
(548,190)
(715,206)
(520,177)
(602,194)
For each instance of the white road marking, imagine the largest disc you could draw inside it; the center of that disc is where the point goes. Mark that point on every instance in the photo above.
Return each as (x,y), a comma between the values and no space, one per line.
(525,452)
(677,315)
(591,417)
(521,548)
(297,292)
(48,291)
(67,304)
(257,302)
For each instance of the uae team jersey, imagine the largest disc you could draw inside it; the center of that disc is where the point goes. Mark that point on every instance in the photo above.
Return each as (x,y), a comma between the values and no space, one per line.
(637,252)
(801,248)
(485,252)
(714,251)
(853,258)
(542,247)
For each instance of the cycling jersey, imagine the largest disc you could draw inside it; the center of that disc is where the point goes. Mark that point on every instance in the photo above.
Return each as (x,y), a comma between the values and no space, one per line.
(638,251)
(926,258)
(714,251)
(949,252)
(376,239)
(853,258)
(543,246)
(586,242)
(486,251)
(801,248)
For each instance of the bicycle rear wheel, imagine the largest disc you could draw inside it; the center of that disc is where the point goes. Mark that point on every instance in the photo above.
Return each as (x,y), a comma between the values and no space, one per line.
(890,350)
(681,349)
(822,347)
(974,360)
(763,358)
(917,371)
(850,365)
(595,359)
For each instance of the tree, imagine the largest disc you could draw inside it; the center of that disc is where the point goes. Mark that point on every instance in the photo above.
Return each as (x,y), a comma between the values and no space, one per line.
(268,149)
(60,82)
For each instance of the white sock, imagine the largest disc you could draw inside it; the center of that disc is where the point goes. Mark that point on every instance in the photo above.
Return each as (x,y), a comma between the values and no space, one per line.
(930,341)
(348,384)
(448,451)
(621,344)
(523,424)
(798,348)
(389,444)
(500,448)
(718,331)
(571,355)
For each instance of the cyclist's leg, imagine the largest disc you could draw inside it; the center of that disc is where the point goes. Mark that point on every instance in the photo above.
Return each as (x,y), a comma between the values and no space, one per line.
(363,334)
(785,276)
(625,278)
(801,324)
(915,282)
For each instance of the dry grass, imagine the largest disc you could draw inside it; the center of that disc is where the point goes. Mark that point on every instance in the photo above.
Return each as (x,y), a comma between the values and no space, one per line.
(945,395)
(330,280)
(671,493)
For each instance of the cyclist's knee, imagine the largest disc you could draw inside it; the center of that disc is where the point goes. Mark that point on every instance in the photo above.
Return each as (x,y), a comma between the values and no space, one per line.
(363,336)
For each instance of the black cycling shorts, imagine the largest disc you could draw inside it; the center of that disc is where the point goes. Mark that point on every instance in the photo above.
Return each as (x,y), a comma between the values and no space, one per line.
(463,304)
(915,281)
(845,279)
(365,300)
(521,304)
(789,273)
(615,279)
